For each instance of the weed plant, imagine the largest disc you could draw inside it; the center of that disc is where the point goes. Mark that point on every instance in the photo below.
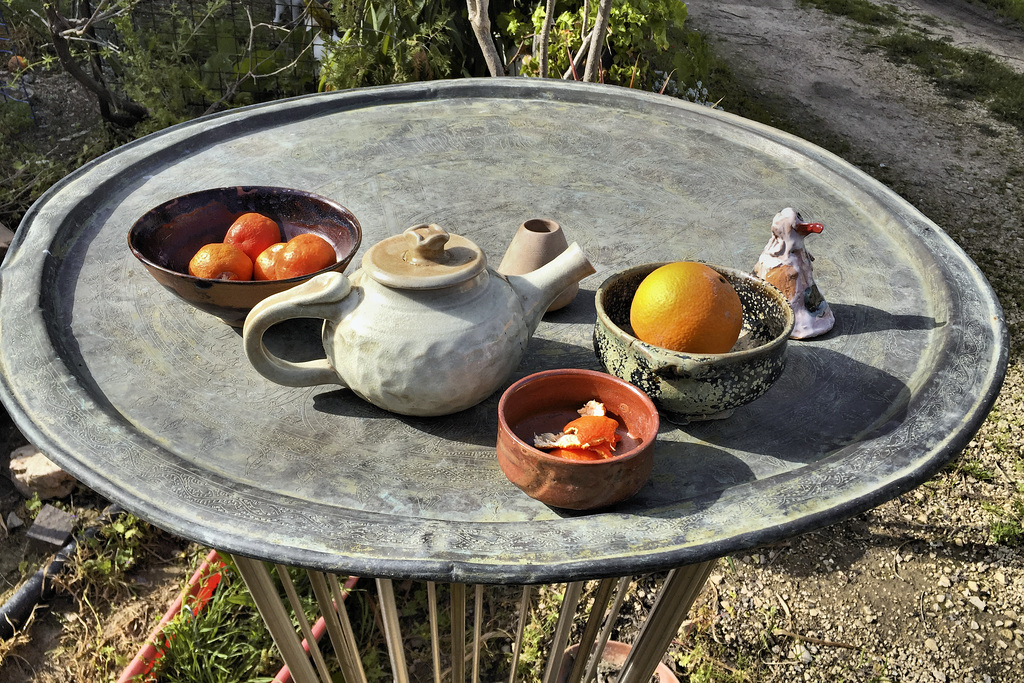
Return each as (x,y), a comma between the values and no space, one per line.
(224,642)
(962,74)
(1014,9)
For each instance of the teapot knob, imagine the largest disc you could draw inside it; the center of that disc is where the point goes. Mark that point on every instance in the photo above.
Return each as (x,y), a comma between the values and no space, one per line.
(427,244)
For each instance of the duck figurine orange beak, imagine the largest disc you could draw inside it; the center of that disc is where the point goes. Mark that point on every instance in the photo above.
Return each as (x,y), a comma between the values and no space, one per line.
(786,263)
(806,229)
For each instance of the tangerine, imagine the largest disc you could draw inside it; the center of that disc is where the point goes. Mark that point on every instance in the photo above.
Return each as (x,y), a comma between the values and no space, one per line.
(687,307)
(304,254)
(252,233)
(265,266)
(219,261)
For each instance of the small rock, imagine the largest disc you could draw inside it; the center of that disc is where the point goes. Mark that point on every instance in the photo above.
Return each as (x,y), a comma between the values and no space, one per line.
(931,645)
(944,582)
(13,521)
(939,676)
(972,586)
(977,602)
(52,527)
(33,473)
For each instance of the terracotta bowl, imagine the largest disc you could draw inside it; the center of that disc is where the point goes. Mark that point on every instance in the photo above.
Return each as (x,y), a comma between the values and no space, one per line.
(688,387)
(545,402)
(166,238)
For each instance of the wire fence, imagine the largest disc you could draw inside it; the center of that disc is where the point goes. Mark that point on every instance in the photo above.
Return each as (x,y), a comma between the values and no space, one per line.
(245,50)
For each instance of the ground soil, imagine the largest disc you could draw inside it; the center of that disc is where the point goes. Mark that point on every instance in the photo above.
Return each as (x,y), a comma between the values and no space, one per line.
(914,590)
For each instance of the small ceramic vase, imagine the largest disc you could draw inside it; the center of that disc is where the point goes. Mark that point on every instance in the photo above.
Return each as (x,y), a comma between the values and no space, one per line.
(538,241)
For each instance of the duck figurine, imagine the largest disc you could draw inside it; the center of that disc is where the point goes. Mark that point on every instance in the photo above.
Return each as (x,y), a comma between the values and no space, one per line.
(786,264)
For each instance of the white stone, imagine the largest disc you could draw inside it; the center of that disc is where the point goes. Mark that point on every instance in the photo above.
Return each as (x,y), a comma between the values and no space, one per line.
(944,582)
(34,473)
(931,645)
(978,602)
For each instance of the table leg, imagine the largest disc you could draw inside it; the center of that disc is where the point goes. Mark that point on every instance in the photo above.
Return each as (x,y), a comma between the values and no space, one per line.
(670,608)
(681,588)
(268,602)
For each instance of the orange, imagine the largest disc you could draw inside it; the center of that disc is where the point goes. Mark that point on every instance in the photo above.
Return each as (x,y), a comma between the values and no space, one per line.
(687,307)
(265,267)
(252,233)
(304,254)
(221,261)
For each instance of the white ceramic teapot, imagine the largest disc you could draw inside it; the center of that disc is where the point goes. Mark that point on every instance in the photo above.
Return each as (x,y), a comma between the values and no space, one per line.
(424,327)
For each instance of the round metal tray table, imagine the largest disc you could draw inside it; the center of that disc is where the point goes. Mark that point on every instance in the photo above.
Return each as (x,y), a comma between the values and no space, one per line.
(153,404)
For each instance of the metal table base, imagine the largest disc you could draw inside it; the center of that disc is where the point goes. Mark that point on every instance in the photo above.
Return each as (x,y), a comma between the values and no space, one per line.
(680,588)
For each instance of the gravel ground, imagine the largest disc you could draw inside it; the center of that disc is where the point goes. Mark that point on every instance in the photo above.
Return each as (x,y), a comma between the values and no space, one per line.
(916,589)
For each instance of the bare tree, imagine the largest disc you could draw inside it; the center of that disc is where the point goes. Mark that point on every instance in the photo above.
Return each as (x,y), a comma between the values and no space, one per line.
(116,109)
(481,23)
(545,33)
(604,10)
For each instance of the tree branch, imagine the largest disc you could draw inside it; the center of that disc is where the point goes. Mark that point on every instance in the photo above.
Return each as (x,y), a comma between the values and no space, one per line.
(481,24)
(604,9)
(574,67)
(114,109)
(545,32)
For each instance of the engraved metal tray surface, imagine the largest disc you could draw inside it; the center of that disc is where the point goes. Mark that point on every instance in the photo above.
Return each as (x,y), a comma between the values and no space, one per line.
(153,404)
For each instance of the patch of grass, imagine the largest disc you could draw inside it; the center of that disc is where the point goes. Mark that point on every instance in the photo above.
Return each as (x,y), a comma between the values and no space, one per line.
(1008,529)
(861,11)
(1014,9)
(975,469)
(224,642)
(30,168)
(961,74)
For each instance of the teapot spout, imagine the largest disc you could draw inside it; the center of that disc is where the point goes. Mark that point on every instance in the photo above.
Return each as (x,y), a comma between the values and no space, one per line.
(538,289)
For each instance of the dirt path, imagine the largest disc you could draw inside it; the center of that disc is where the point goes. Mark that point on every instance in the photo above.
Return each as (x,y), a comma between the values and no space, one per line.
(915,590)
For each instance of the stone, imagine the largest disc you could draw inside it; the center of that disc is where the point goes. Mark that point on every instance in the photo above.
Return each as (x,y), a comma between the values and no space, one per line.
(32,473)
(944,582)
(14,521)
(52,527)
(977,602)
(931,645)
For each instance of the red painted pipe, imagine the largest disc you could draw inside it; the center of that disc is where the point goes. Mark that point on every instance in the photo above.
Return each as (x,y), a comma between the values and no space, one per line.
(201,587)
(284,675)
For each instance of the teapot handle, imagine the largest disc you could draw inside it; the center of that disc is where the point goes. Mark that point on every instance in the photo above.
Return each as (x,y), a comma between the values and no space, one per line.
(319,297)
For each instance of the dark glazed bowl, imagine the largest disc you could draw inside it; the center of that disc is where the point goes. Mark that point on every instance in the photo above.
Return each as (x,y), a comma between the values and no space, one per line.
(545,402)
(166,238)
(688,387)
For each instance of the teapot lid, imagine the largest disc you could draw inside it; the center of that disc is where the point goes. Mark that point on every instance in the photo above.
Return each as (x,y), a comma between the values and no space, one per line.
(424,257)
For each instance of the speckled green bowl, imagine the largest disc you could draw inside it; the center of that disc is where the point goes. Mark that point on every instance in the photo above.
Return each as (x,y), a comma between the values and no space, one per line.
(687,387)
